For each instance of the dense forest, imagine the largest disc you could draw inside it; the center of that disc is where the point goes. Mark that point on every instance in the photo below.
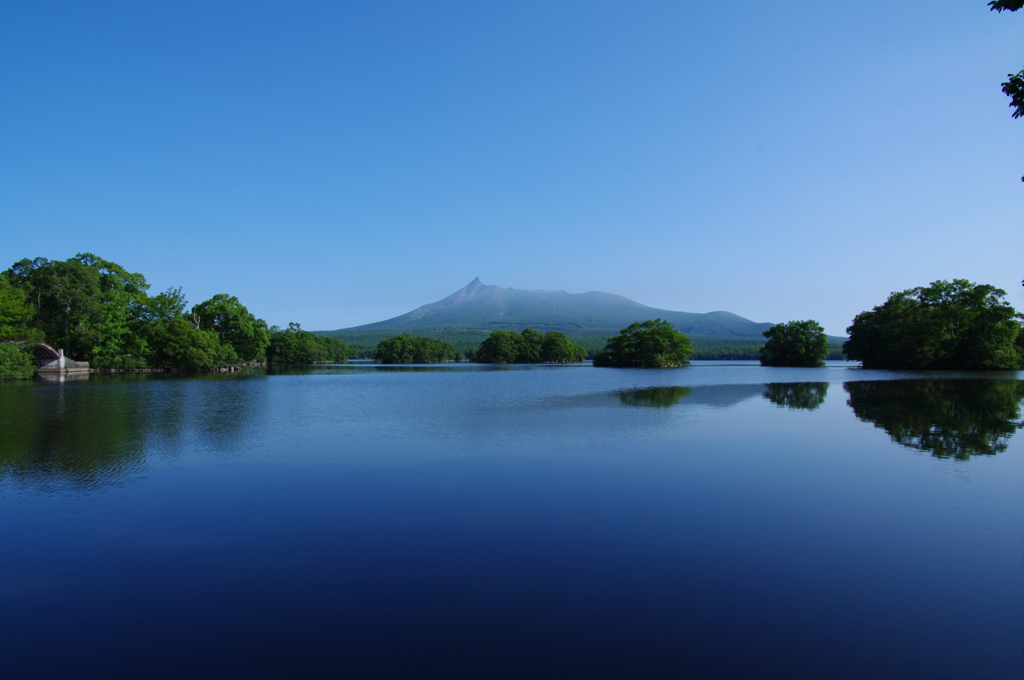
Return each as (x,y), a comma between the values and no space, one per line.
(98,311)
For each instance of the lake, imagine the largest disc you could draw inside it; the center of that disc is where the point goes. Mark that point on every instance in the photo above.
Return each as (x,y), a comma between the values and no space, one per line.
(464,521)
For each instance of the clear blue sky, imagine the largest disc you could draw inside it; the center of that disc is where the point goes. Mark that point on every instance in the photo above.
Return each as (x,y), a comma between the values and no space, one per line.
(341,163)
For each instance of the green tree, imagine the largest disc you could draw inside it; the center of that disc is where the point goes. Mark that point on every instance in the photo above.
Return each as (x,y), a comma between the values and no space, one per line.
(956,325)
(796,343)
(244,333)
(111,331)
(502,347)
(557,348)
(651,344)
(16,363)
(16,313)
(179,344)
(296,346)
(396,350)
(167,305)
(528,347)
(86,305)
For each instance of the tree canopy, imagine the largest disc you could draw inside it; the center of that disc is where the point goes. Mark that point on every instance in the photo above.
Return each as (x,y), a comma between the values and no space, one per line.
(529,347)
(956,325)
(98,311)
(405,349)
(296,346)
(651,344)
(246,335)
(795,343)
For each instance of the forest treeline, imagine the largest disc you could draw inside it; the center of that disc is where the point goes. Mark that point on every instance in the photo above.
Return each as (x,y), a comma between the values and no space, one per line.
(466,342)
(98,311)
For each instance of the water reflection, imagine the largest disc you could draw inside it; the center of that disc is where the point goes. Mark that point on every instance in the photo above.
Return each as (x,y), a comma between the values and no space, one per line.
(81,436)
(658,397)
(49,436)
(948,418)
(716,396)
(806,395)
(61,377)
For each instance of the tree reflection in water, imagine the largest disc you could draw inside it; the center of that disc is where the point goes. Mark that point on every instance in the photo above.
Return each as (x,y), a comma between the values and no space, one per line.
(949,418)
(58,437)
(659,397)
(805,395)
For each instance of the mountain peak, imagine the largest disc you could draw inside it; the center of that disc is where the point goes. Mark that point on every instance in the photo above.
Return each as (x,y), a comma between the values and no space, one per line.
(470,291)
(479,307)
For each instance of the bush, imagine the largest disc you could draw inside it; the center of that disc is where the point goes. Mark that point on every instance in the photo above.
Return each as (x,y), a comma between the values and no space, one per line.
(16,363)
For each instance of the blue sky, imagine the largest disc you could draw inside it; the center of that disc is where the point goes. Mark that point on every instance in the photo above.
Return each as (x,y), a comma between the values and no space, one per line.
(341,163)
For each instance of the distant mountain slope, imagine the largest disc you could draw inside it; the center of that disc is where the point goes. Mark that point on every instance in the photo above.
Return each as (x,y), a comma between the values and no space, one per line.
(477,309)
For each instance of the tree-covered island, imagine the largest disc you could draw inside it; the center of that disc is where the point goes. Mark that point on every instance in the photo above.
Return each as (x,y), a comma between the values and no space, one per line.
(958,325)
(651,344)
(528,347)
(795,343)
(405,349)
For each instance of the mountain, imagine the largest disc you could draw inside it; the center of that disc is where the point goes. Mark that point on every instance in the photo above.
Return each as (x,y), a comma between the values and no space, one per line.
(468,315)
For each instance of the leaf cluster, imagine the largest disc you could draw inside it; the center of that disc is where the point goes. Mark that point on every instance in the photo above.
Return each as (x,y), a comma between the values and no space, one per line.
(650,344)
(956,325)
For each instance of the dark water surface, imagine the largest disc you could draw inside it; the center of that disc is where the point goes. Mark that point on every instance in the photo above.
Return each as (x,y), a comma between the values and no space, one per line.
(720,520)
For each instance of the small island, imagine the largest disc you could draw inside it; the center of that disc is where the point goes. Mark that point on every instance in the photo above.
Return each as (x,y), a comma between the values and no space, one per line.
(651,344)
(528,347)
(405,349)
(801,344)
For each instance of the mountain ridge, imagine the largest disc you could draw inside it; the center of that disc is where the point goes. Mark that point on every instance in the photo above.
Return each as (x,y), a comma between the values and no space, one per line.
(470,314)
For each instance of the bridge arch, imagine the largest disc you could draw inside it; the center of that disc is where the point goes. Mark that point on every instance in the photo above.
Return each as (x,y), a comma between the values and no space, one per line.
(46,353)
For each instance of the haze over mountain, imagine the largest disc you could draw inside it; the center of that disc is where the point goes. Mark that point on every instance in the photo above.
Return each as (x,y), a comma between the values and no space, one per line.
(473,312)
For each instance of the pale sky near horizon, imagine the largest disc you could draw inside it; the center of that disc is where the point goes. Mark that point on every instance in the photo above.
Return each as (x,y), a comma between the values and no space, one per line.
(336,164)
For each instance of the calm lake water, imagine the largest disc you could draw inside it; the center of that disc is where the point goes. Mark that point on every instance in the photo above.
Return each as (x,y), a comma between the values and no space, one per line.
(715,521)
